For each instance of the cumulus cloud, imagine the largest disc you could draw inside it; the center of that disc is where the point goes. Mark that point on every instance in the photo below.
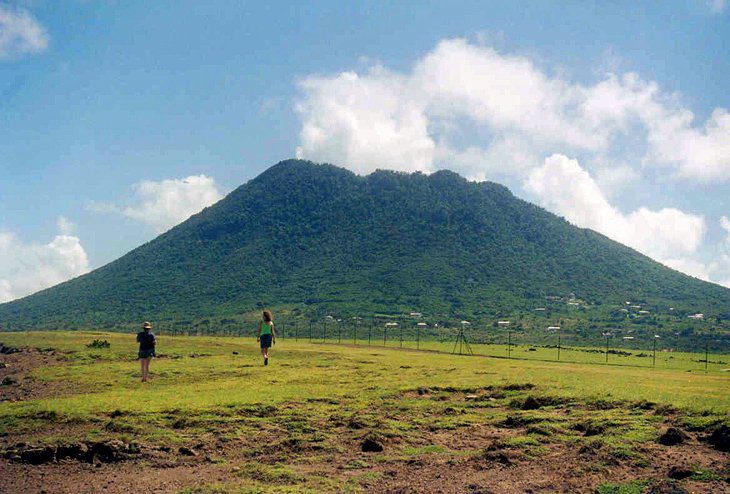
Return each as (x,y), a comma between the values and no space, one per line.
(26,268)
(487,115)
(20,34)
(483,112)
(668,235)
(165,203)
(720,266)
(366,121)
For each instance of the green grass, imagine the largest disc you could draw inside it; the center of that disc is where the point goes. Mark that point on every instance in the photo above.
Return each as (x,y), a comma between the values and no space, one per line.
(635,487)
(199,373)
(311,396)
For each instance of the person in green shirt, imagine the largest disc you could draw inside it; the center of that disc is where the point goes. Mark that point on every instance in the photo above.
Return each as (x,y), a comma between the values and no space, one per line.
(267,335)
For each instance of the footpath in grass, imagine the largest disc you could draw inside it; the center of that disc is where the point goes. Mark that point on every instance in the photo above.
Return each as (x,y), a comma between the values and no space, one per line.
(337,418)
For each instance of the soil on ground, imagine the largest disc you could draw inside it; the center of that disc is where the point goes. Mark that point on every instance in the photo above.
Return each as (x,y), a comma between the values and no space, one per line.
(507,439)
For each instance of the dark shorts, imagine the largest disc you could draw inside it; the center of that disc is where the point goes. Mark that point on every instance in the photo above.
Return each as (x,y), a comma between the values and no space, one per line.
(146,353)
(265,341)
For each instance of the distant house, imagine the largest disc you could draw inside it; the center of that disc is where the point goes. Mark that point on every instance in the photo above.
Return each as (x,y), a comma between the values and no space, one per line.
(503,323)
(553,328)
(697,316)
(391,324)
(643,312)
(541,309)
(422,324)
(416,314)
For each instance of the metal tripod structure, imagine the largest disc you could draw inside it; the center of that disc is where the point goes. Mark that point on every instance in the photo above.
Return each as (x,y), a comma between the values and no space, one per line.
(462,343)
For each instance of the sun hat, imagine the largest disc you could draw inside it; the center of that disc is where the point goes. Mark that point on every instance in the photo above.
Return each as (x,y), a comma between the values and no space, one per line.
(146,325)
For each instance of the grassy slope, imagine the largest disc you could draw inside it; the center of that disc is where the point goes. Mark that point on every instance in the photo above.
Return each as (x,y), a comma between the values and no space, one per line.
(301,407)
(107,379)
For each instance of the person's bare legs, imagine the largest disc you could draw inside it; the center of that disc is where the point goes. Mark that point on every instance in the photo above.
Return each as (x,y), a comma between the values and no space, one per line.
(145,369)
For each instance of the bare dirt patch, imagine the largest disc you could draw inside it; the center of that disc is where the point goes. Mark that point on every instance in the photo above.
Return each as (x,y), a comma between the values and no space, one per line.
(422,441)
(15,375)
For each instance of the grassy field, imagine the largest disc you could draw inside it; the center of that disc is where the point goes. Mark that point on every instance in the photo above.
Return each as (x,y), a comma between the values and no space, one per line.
(620,353)
(324,399)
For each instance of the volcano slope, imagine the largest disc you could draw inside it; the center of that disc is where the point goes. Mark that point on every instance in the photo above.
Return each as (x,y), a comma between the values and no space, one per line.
(316,238)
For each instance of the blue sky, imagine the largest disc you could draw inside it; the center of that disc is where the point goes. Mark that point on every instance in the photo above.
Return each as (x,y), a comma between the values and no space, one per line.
(120,119)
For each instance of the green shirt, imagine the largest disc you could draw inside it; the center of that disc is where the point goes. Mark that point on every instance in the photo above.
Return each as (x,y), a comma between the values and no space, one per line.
(266,327)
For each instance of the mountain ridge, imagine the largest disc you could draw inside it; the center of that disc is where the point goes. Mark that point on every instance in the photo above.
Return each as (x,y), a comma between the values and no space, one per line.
(322,237)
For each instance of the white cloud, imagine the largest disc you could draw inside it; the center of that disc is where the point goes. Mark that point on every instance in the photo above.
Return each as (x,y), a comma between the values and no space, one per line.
(487,114)
(367,121)
(463,104)
(613,179)
(668,235)
(165,203)
(720,266)
(20,34)
(26,268)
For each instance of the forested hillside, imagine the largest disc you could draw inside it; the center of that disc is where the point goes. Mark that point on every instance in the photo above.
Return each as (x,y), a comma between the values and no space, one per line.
(317,236)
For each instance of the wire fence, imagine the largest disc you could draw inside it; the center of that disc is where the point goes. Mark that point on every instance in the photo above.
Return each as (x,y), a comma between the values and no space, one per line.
(640,347)
(708,352)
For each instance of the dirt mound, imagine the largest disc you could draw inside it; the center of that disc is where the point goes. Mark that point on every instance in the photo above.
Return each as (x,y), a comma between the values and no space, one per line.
(720,438)
(90,452)
(7,350)
(673,437)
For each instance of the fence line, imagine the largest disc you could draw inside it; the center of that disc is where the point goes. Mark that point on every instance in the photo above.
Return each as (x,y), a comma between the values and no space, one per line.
(640,348)
(555,345)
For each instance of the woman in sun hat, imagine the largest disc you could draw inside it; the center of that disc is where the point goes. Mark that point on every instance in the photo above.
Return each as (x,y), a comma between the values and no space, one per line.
(267,335)
(146,340)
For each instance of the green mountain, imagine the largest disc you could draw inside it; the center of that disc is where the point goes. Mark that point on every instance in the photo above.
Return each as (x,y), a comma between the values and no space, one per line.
(319,237)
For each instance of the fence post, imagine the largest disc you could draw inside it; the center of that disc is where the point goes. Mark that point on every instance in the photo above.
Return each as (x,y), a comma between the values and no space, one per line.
(509,344)
(339,331)
(558,345)
(706,353)
(401,333)
(385,334)
(653,358)
(296,331)
(418,337)
(606,348)
(370,333)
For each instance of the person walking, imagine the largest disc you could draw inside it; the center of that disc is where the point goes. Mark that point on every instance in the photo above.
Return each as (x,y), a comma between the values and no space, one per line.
(146,340)
(267,335)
